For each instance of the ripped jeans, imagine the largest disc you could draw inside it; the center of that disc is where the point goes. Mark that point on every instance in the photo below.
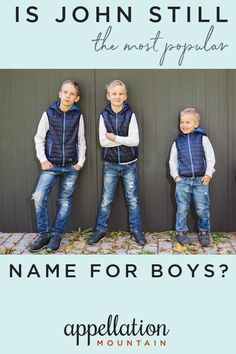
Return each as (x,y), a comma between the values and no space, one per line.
(129,175)
(46,181)
(187,188)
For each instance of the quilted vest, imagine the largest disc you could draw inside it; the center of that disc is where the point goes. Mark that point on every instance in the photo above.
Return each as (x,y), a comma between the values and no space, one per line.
(118,124)
(61,145)
(191,155)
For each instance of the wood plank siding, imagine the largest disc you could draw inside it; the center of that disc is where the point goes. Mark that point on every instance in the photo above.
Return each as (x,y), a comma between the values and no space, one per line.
(156,96)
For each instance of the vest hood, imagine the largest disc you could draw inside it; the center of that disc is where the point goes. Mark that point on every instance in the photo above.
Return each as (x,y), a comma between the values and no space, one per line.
(109,109)
(197,131)
(55,106)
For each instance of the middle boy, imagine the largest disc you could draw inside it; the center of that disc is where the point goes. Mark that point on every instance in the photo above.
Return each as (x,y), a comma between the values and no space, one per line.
(119,137)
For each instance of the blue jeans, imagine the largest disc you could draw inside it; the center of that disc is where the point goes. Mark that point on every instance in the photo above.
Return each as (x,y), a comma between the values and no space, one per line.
(129,175)
(185,189)
(46,181)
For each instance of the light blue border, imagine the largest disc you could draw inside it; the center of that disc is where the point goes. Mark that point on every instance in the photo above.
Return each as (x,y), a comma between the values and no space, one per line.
(49,44)
(199,311)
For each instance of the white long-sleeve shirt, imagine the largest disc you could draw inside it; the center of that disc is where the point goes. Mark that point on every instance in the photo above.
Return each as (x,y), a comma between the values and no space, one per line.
(209,155)
(131,140)
(40,137)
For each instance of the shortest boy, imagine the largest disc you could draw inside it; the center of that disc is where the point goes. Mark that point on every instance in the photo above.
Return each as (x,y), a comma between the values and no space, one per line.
(192,163)
(60,147)
(119,137)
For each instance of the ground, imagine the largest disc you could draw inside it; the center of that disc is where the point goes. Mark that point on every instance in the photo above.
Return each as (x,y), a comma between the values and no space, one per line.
(121,243)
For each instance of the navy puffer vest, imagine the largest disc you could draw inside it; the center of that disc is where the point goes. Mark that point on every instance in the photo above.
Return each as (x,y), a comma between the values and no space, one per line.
(61,144)
(118,124)
(191,155)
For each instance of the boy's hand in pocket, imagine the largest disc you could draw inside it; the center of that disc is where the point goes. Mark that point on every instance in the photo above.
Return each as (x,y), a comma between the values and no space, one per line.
(46,165)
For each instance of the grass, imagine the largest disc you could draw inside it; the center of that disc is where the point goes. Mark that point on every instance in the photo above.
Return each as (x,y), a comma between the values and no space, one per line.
(220,237)
(78,234)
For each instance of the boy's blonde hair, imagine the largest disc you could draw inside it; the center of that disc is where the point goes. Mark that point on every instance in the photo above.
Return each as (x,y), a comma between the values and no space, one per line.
(193,111)
(114,83)
(73,83)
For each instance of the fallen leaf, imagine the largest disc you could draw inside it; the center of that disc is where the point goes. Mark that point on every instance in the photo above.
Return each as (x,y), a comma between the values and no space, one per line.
(180,249)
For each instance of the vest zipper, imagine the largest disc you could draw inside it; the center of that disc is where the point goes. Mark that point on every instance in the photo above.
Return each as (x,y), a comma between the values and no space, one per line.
(63,140)
(50,149)
(105,153)
(118,148)
(190,155)
(77,151)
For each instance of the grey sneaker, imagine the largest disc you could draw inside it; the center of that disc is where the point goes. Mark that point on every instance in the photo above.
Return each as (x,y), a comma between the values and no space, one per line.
(39,244)
(96,237)
(204,238)
(183,238)
(139,237)
(54,243)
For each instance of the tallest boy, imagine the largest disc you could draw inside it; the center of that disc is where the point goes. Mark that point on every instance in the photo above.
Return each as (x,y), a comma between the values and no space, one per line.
(60,147)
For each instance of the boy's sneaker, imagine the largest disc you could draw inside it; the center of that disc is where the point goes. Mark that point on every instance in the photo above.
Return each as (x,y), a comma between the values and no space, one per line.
(39,244)
(54,243)
(96,236)
(183,238)
(139,238)
(204,238)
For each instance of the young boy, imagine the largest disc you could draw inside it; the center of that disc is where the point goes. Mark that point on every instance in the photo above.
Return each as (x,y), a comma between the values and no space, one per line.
(119,137)
(192,163)
(60,148)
